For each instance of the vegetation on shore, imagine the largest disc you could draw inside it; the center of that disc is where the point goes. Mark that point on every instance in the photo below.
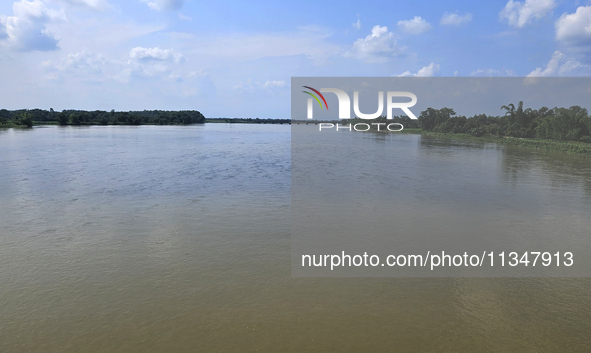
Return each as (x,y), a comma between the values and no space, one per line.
(566,146)
(564,129)
(563,124)
(23,119)
(27,118)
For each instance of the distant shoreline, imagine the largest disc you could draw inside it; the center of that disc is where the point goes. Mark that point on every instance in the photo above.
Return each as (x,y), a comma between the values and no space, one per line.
(547,144)
(11,125)
(554,145)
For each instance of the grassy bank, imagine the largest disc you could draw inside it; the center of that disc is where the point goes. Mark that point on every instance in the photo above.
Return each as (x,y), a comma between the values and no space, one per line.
(12,125)
(566,146)
(411,131)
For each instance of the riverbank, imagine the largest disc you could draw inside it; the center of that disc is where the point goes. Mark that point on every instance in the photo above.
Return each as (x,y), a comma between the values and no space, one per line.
(11,126)
(211,121)
(565,146)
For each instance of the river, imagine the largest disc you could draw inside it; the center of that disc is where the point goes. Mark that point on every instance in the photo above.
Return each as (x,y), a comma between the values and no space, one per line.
(177,239)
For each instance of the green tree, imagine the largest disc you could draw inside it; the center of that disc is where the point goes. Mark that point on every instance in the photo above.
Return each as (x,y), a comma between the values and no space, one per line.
(75,119)
(430,118)
(24,118)
(62,118)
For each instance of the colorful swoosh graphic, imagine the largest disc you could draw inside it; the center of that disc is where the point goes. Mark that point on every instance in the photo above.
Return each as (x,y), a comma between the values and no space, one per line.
(317,92)
(317,100)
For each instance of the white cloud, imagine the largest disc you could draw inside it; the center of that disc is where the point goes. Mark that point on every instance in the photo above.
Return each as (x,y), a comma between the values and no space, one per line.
(379,46)
(454,19)
(93,4)
(558,65)
(151,62)
(85,65)
(139,70)
(415,26)
(250,85)
(485,73)
(196,74)
(26,30)
(155,54)
(35,10)
(575,29)
(275,83)
(142,63)
(83,62)
(428,71)
(357,24)
(175,76)
(492,73)
(160,5)
(185,17)
(518,14)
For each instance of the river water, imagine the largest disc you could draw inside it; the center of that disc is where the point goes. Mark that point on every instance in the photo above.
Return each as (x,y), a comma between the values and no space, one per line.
(177,239)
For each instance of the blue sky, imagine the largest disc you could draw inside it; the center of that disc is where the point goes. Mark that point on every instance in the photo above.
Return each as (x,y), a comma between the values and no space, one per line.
(236,58)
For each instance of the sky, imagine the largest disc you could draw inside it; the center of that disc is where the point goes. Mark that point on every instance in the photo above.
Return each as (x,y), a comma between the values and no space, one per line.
(236,58)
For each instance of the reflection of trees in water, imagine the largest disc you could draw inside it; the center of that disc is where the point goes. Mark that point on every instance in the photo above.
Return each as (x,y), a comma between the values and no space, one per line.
(523,165)
(446,145)
(530,174)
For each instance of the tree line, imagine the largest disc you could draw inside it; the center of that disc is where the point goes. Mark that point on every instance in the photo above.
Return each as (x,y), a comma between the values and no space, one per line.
(565,124)
(100,117)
